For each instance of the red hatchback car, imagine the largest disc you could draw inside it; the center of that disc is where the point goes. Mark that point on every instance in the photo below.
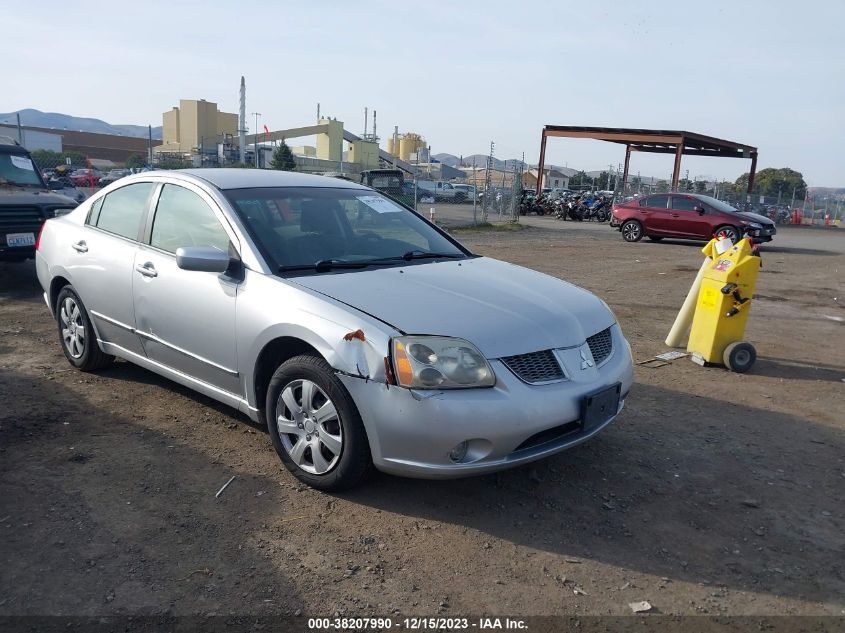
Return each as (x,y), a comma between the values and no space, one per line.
(687,216)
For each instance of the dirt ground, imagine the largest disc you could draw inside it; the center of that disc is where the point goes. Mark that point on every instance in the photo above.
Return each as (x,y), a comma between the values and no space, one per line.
(713,493)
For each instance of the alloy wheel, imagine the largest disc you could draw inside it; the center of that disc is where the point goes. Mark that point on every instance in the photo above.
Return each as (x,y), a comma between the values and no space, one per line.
(309,427)
(631,231)
(73,328)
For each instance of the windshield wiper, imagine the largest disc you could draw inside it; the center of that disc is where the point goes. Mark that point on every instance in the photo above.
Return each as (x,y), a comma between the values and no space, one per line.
(420,255)
(325,265)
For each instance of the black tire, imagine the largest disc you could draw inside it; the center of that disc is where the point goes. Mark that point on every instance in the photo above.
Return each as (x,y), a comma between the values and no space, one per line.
(85,353)
(354,461)
(460,198)
(632,231)
(731,231)
(655,238)
(739,356)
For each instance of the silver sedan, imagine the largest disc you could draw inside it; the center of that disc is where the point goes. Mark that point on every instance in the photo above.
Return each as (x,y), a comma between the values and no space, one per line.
(358,332)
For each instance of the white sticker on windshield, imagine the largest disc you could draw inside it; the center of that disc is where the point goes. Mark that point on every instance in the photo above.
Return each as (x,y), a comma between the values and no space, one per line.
(22,162)
(379,204)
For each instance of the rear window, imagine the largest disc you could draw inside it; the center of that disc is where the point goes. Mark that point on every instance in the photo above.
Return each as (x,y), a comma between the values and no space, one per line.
(17,169)
(122,210)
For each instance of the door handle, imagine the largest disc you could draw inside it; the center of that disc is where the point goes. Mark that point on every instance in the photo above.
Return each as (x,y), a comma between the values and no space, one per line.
(148,270)
(80,246)
(676,215)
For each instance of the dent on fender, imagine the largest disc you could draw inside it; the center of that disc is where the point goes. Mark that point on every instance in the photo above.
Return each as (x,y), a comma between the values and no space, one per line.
(356,351)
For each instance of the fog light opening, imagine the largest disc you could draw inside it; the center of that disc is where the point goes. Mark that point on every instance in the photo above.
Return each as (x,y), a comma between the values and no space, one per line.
(458,453)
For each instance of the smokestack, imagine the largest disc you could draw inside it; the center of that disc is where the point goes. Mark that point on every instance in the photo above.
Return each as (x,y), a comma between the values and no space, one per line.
(242,130)
(318,112)
(365,121)
(375,138)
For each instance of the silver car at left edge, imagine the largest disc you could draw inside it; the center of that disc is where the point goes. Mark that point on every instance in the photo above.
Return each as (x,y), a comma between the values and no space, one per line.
(361,334)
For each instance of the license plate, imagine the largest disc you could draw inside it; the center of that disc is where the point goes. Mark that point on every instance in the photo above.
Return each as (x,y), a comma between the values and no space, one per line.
(599,407)
(20,239)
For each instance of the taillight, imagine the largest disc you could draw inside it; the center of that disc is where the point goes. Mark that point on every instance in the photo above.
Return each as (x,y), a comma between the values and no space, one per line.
(38,239)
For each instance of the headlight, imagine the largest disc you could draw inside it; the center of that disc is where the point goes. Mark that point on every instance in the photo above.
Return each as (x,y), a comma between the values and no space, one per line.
(755,225)
(60,212)
(440,362)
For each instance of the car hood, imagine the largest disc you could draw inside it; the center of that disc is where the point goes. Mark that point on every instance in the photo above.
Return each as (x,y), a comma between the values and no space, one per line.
(502,308)
(754,217)
(9,195)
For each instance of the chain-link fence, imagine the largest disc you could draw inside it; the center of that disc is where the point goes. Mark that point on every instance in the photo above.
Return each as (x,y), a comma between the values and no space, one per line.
(471,194)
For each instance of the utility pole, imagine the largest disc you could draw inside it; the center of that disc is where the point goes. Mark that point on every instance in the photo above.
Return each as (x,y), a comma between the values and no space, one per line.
(20,129)
(150,146)
(256,114)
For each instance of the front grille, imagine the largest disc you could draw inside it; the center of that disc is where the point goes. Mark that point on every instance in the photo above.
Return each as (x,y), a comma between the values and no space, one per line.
(23,217)
(536,367)
(601,345)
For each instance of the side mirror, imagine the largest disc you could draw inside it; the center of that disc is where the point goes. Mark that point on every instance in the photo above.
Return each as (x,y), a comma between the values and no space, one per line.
(700,210)
(202,259)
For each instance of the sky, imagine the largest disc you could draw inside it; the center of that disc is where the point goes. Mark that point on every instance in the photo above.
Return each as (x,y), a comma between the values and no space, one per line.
(766,73)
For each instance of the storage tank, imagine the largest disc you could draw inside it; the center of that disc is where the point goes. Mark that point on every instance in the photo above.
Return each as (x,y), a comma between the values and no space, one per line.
(390,146)
(409,144)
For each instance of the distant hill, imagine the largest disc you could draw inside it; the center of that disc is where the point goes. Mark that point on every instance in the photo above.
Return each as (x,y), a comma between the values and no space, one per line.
(59,121)
(479,160)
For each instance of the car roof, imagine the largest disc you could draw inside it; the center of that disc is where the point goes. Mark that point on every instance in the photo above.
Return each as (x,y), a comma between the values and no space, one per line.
(235,178)
(8,145)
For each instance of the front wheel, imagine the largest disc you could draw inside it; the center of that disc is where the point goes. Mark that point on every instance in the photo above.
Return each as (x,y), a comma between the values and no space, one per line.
(76,333)
(729,232)
(315,426)
(632,231)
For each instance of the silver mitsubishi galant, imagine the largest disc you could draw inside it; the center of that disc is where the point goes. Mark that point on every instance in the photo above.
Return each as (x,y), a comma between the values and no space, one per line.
(360,333)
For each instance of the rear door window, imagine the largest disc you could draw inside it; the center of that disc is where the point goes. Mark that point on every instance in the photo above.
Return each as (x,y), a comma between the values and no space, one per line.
(123,209)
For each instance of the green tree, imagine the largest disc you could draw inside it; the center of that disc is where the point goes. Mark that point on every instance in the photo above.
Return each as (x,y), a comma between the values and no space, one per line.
(48,159)
(771,181)
(173,163)
(135,161)
(700,186)
(661,186)
(283,158)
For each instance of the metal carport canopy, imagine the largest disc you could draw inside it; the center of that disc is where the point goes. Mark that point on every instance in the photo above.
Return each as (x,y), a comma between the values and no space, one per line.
(675,142)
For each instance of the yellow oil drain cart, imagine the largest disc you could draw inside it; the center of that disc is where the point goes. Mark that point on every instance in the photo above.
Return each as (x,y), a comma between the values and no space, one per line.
(721,313)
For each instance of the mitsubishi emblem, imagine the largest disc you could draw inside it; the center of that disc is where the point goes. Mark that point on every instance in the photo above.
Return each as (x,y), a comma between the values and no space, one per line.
(585,360)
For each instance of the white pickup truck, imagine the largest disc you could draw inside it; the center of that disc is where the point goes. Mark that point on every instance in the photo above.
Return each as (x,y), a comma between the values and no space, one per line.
(443,191)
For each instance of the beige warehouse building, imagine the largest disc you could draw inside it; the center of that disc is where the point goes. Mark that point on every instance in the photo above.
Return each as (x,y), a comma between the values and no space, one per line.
(193,123)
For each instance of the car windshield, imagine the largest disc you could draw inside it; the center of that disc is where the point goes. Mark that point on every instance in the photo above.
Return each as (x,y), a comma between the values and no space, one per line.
(17,169)
(301,227)
(717,204)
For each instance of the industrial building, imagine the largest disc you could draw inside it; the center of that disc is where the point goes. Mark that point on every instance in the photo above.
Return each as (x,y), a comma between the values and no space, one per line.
(195,125)
(110,148)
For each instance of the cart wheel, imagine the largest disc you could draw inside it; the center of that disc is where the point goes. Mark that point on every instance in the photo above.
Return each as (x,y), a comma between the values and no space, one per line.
(739,356)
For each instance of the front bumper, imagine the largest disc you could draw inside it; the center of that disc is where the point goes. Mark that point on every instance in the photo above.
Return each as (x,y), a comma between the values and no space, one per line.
(411,432)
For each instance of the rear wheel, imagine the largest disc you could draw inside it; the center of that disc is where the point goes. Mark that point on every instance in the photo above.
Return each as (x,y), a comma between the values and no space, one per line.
(76,333)
(315,426)
(632,231)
